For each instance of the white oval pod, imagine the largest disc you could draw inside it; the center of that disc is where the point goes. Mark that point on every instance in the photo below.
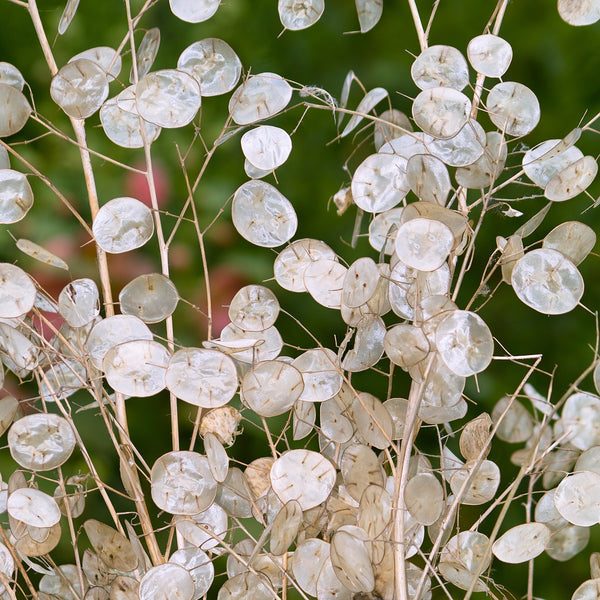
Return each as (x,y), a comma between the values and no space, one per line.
(379,182)
(577,498)
(205,529)
(259,97)
(572,180)
(266,147)
(80,88)
(581,420)
(573,239)
(542,163)
(424,244)
(513,108)
(125,128)
(79,302)
(218,461)
(579,13)
(483,482)
(10,75)
(424,498)
(489,55)
(462,557)
(250,346)
(320,373)
(360,468)
(113,331)
(213,64)
(309,558)
(41,442)
(292,261)
(263,215)
(254,308)
(440,66)
(206,378)
(105,57)
(351,560)
(33,507)
(194,11)
(199,565)
(360,282)
(522,543)
(168,98)
(182,483)
(271,388)
(238,587)
(304,476)
(464,342)
(123,224)
(137,368)
(285,527)
(547,281)
(16,196)
(488,167)
(300,14)
(324,281)
(15,112)
(441,111)
(152,297)
(168,581)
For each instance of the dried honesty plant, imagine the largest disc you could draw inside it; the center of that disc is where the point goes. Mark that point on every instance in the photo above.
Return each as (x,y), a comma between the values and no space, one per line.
(359,492)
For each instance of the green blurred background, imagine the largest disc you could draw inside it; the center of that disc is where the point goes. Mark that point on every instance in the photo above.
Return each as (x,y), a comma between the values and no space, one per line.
(560,63)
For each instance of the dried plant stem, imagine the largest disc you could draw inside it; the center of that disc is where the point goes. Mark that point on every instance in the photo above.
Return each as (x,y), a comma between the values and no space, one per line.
(414,11)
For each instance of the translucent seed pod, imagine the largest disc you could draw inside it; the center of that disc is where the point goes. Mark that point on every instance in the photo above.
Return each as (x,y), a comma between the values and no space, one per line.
(236,588)
(218,461)
(513,108)
(112,547)
(271,388)
(321,374)
(573,239)
(424,498)
(266,147)
(234,495)
(424,244)
(379,182)
(10,75)
(165,581)
(67,16)
(259,97)
(382,230)
(324,281)
(440,66)
(368,345)
(335,425)
(360,282)
(33,507)
(428,178)
(254,308)
(581,420)
(542,163)
(397,408)
(351,559)
(80,88)
(79,302)
(360,468)
(484,479)
(522,543)
(62,380)
(124,128)
(151,298)
(441,111)
(199,565)
(105,57)
(61,584)
(113,331)
(300,14)
(168,98)
(72,500)
(182,483)
(263,215)
(464,556)
(206,378)
(41,254)
(204,529)
(567,542)
(292,261)
(579,13)
(370,100)
(309,558)
(18,351)
(41,442)
(213,64)
(572,180)
(4,158)
(373,423)
(455,221)
(474,437)
(137,368)
(123,224)
(406,345)
(285,527)
(462,149)
(589,460)
(16,110)
(488,167)
(16,196)
(194,11)
(369,12)
(464,343)
(146,54)
(489,55)
(384,132)
(512,251)
(577,498)
(547,281)
(251,346)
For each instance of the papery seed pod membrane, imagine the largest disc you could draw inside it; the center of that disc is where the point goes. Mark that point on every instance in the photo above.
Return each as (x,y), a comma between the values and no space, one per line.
(80,88)
(371,99)
(234,495)
(398,125)
(251,346)
(351,560)
(382,230)
(474,437)
(573,239)
(300,14)
(151,298)
(205,529)
(455,221)
(112,547)
(324,281)
(513,108)
(581,420)
(218,461)
(321,374)
(484,479)
(577,498)
(579,13)
(461,149)
(79,302)
(487,168)
(440,66)
(368,345)
(428,178)
(60,584)
(16,196)
(206,378)
(167,581)
(10,75)
(522,543)
(213,64)
(542,163)
(254,308)
(16,110)
(62,380)
(360,468)
(441,111)
(489,55)
(259,97)
(424,498)
(199,565)
(41,254)
(423,244)
(145,55)
(572,180)
(464,556)
(124,128)
(373,423)
(123,224)
(266,147)
(369,12)
(105,57)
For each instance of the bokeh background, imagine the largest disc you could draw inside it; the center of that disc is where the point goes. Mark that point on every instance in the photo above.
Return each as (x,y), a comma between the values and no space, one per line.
(558,62)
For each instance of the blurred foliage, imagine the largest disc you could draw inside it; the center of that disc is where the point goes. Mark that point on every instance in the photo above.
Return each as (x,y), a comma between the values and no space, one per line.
(560,63)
